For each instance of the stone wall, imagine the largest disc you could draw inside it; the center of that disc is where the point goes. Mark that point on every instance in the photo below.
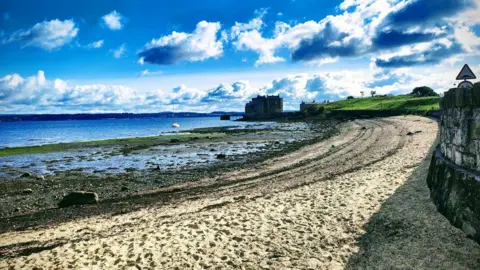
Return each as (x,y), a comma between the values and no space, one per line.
(460,126)
(454,178)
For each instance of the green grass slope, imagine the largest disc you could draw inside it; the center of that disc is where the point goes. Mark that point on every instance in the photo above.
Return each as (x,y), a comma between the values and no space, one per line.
(402,102)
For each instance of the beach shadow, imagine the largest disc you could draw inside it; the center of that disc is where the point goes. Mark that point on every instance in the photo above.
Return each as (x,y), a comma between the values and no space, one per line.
(28,248)
(409,233)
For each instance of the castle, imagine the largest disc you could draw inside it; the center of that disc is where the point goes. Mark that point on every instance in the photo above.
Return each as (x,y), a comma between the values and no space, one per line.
(262,106)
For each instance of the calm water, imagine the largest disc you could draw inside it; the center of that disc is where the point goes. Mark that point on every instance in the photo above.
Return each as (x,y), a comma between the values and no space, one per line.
(46,132)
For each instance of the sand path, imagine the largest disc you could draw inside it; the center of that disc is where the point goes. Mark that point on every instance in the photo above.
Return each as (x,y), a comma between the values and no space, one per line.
(358,200)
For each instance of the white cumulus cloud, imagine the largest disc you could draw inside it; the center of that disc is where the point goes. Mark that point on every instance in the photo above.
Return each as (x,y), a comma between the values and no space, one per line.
(38,94)
(48,35)
(114,20)
(363,28)
(203,43)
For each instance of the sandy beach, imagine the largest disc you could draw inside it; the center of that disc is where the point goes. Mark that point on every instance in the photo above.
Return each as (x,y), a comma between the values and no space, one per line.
(357,200)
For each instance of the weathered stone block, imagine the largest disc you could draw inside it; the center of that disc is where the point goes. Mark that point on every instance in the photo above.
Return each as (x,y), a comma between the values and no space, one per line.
(459,100)
(476,115)
(474,130)
(447,100)
(469,161)
(467,97)
(458,158)
(449,152)
(457,140)
(476,95)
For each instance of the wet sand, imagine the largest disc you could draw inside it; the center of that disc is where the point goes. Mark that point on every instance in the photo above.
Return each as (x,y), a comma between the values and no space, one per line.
(358,200)
(117,169)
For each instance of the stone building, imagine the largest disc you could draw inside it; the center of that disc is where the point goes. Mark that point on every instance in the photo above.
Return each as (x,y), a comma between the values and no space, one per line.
(262,106)
(454,172)
(306,105)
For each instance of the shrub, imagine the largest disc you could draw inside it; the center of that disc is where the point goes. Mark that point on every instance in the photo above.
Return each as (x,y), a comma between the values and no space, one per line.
(315,110)
(350,97)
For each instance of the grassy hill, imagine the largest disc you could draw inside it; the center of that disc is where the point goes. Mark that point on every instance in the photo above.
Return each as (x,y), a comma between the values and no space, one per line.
(401,102)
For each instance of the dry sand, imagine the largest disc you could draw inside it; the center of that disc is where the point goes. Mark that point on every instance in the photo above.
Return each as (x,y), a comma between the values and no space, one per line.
(358,200)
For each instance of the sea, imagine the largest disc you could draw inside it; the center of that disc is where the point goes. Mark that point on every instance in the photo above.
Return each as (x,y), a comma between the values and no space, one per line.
(14,134)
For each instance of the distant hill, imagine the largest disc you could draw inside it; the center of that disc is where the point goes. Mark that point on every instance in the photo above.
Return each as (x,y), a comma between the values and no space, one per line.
(96,116)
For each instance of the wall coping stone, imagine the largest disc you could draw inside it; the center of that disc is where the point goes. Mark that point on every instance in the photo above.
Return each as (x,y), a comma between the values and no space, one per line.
(461,98)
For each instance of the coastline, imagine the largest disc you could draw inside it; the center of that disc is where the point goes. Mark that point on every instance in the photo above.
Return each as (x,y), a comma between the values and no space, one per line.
(58,147)
(110,169)
(327,205)
(31,133)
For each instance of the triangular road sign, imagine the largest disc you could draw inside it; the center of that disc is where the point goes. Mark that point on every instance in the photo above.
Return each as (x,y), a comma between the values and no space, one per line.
(466,73)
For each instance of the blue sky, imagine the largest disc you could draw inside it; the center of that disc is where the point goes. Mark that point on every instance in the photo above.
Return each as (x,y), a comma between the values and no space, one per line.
(147,56)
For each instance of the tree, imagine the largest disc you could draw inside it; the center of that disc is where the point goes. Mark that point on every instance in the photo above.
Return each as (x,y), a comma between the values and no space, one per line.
(362,93)
(350,97)
(373,92)
(423,91)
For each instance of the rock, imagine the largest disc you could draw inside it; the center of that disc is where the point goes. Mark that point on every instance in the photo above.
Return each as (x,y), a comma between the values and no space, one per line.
(157,168)
(221,156)
(313,263)
(277,142)
(27,191)
(468,229)
(363,128)
(78,198)
(124,188)
(27,174)
(334,265)
(418,131)
(212,150)
(40,177)
(409,133)
(174,141)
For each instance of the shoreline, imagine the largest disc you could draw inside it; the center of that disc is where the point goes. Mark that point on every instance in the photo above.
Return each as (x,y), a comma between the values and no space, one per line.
(58,147)
(362,203)
(200,151)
